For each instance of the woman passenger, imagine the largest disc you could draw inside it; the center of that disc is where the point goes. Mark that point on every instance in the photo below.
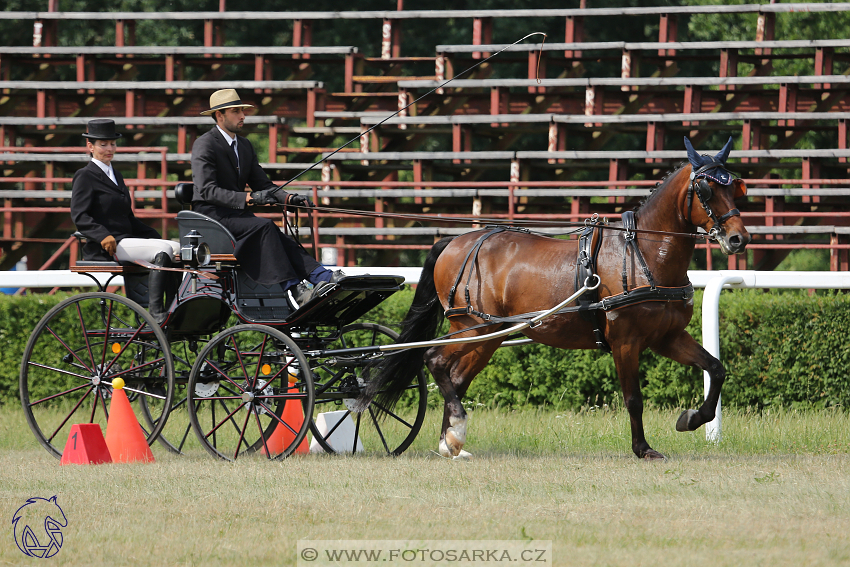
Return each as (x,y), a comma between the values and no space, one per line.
(102,211)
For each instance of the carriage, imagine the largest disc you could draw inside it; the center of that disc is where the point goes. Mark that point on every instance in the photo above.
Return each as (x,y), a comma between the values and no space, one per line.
(242,364)
(262,356)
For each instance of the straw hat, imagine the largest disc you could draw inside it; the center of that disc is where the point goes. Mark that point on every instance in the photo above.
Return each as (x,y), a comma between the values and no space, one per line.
(225,98)
(101,129)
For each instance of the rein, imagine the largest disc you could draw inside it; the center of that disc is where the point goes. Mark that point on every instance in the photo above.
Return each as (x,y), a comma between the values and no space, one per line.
(501,222)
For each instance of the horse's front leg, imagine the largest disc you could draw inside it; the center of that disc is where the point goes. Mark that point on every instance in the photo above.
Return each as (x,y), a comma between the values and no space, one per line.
(684,349)
(627,359)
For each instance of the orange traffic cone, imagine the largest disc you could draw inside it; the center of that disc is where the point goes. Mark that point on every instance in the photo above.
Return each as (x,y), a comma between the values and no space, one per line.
(124,435)
(293,416)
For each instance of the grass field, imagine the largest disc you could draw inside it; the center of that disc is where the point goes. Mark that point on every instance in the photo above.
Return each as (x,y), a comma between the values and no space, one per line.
(775,492)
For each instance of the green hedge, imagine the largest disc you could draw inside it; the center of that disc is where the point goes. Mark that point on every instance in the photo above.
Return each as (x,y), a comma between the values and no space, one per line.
(781,349)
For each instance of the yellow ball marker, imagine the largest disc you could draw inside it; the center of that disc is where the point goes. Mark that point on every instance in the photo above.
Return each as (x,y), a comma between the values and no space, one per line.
(118,383)
(266,369)
(116,348)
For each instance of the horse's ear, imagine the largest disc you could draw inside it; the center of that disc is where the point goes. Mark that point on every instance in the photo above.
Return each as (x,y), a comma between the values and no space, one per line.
(740,188)
(724,153)
(693,156)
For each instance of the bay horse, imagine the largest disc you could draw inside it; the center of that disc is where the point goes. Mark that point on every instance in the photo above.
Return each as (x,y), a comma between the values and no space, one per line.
(508,273)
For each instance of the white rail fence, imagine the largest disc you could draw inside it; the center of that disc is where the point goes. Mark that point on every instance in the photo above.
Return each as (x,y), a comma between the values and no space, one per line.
(713,281)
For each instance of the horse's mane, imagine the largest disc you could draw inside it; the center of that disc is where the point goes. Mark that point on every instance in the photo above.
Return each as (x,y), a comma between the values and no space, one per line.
(660,185)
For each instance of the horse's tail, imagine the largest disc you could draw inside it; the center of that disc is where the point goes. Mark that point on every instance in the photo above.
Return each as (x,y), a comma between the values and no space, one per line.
(391,376)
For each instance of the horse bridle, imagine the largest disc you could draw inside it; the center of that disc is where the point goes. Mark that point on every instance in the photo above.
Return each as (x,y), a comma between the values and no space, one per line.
(699,185)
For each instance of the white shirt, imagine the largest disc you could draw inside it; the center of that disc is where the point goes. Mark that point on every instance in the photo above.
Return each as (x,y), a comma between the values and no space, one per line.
(230,142)
(107,169)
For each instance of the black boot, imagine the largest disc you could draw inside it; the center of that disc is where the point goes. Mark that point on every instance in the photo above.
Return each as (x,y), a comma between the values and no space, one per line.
(160,283)
(303,294)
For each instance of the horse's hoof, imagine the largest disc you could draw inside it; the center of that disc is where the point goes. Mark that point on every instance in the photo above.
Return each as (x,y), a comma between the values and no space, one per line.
(458,425)
(463,456)
(688,421)
(453,442)
(444,449)
(653,455)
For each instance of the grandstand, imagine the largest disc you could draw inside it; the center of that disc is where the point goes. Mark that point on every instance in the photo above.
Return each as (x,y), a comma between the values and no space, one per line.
(546,131)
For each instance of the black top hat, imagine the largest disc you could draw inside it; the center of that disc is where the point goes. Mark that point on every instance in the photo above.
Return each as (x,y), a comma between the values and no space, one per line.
(101,129)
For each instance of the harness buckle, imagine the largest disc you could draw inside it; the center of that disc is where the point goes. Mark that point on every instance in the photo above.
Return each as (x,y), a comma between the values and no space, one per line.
(594,219)
(712,234)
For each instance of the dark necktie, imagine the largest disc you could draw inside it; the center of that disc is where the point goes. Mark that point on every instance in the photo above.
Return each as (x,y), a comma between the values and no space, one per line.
(235,151)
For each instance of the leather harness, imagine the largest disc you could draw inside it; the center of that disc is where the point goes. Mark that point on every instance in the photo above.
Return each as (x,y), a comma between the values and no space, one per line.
(589,303)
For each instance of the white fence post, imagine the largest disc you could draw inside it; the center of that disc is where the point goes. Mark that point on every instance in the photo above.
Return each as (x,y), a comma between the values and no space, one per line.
(711,339)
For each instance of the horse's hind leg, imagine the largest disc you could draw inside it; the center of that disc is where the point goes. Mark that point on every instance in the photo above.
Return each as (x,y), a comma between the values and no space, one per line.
(685,350)
(453,368)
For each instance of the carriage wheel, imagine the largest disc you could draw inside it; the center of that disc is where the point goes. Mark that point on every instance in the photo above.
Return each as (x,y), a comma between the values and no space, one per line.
(340,380)
(248,394)
(175,435)
(75,352)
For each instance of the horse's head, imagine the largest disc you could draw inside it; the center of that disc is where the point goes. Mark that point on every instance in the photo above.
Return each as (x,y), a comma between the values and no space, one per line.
(710,201)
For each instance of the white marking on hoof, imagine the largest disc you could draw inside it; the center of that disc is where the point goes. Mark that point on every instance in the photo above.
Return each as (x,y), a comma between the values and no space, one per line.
(444,449)
(458,426)
(453,443)
(463,456)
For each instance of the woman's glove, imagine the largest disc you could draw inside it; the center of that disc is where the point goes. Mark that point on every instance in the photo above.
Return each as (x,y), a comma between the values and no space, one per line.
(109,244)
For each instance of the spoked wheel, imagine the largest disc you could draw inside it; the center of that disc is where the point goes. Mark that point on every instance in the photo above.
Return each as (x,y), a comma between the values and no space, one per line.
(250,393)
(339,381)
(75,352)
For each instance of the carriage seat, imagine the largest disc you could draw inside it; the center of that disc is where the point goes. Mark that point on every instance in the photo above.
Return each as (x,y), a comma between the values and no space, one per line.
(255,301)
(100,266)
(135,277)
(221,242)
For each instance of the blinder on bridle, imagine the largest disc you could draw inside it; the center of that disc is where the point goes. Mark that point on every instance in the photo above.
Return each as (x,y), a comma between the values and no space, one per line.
(712,170)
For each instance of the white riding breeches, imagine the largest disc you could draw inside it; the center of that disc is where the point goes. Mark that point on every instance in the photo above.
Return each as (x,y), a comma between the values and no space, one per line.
(146,249)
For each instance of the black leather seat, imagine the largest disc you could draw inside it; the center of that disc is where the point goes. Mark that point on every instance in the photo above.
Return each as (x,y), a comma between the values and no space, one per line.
(217,237)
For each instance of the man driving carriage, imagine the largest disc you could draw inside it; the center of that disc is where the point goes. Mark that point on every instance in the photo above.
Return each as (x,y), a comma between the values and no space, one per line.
(223,163)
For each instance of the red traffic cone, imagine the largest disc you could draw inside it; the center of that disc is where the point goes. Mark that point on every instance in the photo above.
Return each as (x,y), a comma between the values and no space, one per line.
(124,435)
(85,446)
(282,437)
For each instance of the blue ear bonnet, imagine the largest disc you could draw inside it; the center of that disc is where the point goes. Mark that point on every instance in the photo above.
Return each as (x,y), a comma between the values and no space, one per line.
(717,174)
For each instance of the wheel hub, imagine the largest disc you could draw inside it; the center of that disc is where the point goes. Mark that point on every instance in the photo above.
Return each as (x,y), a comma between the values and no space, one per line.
(262,389)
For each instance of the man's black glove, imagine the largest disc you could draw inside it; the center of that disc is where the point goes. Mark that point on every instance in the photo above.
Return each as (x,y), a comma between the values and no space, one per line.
(268,197)
(300,201)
